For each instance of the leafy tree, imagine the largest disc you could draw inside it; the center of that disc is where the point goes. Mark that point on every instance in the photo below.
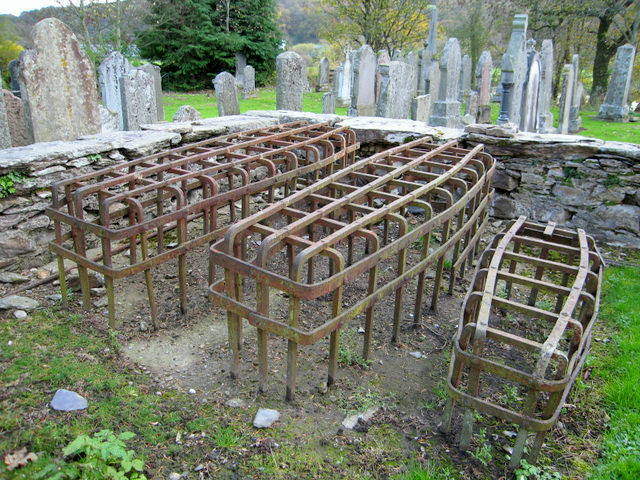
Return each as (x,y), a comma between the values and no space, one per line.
(389,24)
(196,39)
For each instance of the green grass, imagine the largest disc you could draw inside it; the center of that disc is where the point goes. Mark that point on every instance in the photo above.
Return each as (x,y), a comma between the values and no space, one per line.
(617,366)
(265,99)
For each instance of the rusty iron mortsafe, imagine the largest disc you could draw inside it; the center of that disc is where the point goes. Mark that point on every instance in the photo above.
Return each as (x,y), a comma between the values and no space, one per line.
(321,248)
(192,192)
(525,330)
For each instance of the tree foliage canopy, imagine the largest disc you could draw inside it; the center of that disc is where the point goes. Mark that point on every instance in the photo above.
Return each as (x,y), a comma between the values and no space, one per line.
(389,24)
(194,40)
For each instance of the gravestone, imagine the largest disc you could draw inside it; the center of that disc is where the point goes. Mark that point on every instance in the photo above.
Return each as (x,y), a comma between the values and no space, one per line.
(291,78)
(615,107)
(545,117)
(226,94)
(15,118)
(575,120)
(323,74)
(58,85)
(531,92)
(154,71)
(363,101)
(432,84)
(138,99)
(329,103)
(420,107)
(514,71)
(465,78)
(424,62)
(446,110)
(14,72)
(186,113)
(396,93)
(344,97)
(565,99)
(249,85)
(114,66)
(483,78)
(241,62)
(5,132)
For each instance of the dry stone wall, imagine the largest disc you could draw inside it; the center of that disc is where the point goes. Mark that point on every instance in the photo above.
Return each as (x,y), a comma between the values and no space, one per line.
(572,180)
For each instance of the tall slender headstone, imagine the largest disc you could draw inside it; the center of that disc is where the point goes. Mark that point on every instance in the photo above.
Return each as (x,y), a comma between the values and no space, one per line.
(396,93)
(344,96)
(531,92)
(615,107)
(14,72)
(545,117)
(154,71)
(575,120)
(323,74)
(249,85)
(5,133)
(138,99)
(465,78)
(291,79)
(565,99)
(446,111)
(58,85)
(514,71)
(114,66)
(363,95)
(226,94)
(241,62)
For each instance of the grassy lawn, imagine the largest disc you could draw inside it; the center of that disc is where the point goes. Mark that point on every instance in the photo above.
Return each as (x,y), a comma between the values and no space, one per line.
(176,431)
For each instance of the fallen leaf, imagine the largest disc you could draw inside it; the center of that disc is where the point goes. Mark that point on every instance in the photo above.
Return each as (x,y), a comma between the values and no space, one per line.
(19,458)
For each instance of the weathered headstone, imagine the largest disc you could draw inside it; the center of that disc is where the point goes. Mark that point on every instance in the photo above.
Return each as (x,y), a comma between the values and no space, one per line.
(531,92)
(5,133)
(138,99)
(291,78)
(420,107)
(565,99)
(186,113)
(14,72)
(249,85)
(396,94)
(323,74)
(241,62)
(432,84)
(615,107)
(114,66)
(575,120)
(545,117)
(483,78)
(58,85)
(15,118)
(154,71)
(344,96)
(514,71)
(363,96)
(446,110)
(329,103)
(465,78)
(226,94)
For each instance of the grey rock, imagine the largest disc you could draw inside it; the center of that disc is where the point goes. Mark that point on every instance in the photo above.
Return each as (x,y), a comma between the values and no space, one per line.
(18,302)
(67,401)
(12,277)
(265,417)
(186,113)
(235,403)
(58,85)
